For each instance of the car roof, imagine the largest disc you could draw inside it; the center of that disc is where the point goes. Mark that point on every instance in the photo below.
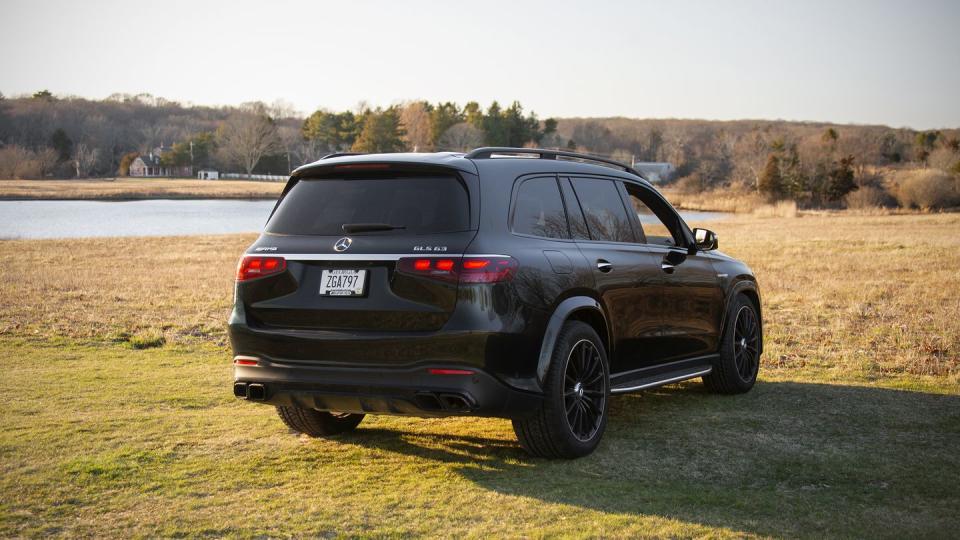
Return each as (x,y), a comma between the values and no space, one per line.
(515,165)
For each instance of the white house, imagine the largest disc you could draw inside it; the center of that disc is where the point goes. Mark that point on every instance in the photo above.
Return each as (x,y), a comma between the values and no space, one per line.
(208,174)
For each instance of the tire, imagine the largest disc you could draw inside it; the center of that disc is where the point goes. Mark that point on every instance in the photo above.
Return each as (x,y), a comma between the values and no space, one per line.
(736,370)
(573,416)
(318,423)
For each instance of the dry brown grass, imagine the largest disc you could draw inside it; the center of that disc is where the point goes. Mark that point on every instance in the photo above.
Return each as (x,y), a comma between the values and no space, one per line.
(714,201)
(128,188)
(119,289)
(854,295)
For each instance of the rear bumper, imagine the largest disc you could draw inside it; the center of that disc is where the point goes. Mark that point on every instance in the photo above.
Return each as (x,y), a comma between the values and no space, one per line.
(413,391)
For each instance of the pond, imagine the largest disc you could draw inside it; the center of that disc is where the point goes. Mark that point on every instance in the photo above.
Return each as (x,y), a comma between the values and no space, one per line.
(160,217)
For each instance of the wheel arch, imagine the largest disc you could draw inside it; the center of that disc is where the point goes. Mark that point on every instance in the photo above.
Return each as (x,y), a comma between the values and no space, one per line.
(747,287)
(576,308)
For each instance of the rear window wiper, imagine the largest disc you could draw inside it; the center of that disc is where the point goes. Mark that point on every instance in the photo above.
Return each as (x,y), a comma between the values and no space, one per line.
(369,227)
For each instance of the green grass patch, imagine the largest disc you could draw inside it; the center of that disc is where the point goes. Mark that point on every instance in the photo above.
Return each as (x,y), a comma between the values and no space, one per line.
(102,440)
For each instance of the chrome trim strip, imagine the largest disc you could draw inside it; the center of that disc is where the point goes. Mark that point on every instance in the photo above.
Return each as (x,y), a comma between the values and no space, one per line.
(661,383)
(370,256)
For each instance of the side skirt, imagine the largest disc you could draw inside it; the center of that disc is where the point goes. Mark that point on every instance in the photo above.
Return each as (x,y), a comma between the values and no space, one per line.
(654,376)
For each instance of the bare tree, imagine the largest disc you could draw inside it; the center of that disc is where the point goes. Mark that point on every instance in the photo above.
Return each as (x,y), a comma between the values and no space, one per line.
(247,136)
(460,137)
(415,121)
(84,159)
(46,159)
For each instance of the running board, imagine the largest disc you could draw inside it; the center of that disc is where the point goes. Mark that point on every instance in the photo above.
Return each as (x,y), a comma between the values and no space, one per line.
(660,379)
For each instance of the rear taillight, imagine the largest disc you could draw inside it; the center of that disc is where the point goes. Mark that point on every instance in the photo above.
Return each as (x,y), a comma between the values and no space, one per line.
(253,266)
(462,270)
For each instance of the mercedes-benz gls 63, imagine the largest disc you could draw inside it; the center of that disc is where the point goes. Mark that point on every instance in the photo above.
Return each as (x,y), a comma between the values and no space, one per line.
(522,284)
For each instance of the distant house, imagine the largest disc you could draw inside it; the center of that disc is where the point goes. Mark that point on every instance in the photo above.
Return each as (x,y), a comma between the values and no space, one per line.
(149,166)
(208,174)
(654,171)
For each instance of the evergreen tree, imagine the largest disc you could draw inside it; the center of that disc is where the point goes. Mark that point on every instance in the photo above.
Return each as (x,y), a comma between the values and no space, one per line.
(334,131)
(381,132)
(771,183)
(840,181)
(61,142)
(496,133)
(443,117)
(473,114)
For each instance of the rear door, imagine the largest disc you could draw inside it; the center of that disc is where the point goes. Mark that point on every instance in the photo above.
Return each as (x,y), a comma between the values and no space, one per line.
(626,272)
(365,252)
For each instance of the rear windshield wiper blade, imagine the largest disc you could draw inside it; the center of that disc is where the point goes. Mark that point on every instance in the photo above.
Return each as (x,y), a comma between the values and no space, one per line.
(369,227)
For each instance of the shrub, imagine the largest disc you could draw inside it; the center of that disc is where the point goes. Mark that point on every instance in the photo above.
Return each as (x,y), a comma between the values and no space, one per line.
(868,197)
(784,209)
(926,189)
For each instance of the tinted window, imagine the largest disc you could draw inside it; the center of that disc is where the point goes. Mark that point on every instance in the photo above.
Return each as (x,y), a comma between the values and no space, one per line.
(539,209)
(654,228)
(602,206)
(578,225)
(422,205)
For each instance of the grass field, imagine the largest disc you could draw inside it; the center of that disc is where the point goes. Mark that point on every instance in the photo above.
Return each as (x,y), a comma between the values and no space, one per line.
(138,188)
(119,420)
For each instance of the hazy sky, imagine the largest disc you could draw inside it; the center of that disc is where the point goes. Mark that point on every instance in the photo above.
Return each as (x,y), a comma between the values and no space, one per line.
(895,63)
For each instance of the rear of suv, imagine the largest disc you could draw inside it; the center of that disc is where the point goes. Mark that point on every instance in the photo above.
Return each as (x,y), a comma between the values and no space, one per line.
(513,283)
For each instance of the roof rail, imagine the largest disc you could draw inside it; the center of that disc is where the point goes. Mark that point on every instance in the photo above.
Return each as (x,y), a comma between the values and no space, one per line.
(492,151)
(341,154)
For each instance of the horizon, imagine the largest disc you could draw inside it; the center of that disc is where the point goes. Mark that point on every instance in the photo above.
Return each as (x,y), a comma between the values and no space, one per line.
(862,63)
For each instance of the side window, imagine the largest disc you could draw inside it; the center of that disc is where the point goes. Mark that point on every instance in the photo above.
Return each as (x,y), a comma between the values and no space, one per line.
(656,229)
(538,210)
(607,219)
(578,225)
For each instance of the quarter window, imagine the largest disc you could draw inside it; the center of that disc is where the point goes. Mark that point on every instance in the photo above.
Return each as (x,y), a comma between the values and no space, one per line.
(607,219)
(539,209)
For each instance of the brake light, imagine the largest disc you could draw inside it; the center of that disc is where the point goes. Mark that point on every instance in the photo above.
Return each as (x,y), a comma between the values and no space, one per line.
(253,266)
(464,270)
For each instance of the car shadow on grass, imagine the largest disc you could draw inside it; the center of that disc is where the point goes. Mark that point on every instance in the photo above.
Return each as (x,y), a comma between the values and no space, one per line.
(788,458)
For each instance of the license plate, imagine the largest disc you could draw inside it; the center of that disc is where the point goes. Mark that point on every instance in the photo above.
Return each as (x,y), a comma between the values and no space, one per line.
(342,282)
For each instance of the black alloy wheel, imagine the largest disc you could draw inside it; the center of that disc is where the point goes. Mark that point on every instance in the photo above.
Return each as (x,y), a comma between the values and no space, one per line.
(746,337)
(584,392)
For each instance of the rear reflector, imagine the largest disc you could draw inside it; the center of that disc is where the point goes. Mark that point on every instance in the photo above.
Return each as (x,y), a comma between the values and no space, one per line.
(438,371)
(245,360)
(253,266)
(465,270)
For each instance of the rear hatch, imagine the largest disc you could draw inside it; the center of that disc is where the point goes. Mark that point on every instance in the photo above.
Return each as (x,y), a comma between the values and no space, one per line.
(352,249)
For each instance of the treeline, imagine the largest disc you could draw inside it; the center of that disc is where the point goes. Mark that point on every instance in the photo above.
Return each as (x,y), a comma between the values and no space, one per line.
(815,164)
(44,135)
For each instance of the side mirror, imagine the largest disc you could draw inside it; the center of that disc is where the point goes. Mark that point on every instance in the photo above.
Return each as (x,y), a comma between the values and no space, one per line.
(705,239)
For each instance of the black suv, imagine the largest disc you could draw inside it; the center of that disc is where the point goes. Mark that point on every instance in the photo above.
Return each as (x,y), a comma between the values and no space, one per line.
(506,282)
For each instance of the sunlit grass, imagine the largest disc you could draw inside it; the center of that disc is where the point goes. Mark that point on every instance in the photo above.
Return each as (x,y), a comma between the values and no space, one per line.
(852,431)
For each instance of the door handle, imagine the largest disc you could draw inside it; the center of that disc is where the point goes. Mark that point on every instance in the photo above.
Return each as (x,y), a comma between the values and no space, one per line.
(604,266)
(667,267)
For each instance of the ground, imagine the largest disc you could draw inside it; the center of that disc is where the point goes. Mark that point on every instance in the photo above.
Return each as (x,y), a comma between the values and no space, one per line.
(138,188)
(120,421)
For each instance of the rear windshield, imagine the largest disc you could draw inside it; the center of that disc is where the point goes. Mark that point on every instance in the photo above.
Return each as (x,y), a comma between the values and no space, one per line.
(421,205)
